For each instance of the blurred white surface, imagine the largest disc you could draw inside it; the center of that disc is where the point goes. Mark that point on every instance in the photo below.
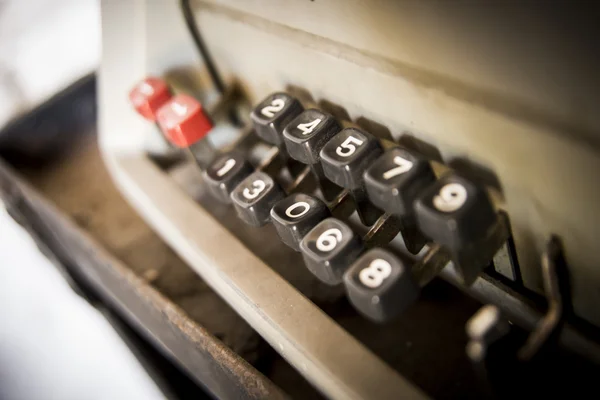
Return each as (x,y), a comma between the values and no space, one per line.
(53,344)
(45,45)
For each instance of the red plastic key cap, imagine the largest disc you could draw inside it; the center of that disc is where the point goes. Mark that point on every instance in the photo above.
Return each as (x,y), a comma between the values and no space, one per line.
(148,96)
(183,121)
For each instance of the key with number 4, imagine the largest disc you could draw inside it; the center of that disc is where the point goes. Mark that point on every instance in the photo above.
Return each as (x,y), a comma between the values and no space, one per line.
(329,248)
(254,197)
(344,159)
(304,138)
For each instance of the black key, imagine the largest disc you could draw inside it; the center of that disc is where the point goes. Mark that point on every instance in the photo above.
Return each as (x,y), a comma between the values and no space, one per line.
(225,173)
(270,117)
(455,212)
(296,215)
(393,183)
(304,138)
(344,159)
(380,286)
(254,197)
(329,249)
(395,180)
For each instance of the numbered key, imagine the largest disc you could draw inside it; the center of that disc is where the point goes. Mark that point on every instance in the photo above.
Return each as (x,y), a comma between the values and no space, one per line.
(225,173)
(395,180)
(254,197)
(329,249)
(304,138)
(344,159)
(270,117)
(380,285)
(455,212)
(296,215)
(148,96)
(185,124)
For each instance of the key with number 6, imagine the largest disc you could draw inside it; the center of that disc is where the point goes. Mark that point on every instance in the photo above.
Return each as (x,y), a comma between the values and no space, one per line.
(254,197)
(329,248)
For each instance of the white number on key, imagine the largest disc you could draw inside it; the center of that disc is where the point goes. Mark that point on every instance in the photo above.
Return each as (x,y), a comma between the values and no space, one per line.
(146,89)
(276,106)
(257,187)
(226,167)
(309,126)
(451,197)
(374,275)
(301,204)
(403,166)
(179,109)
(329,239)
(347,148)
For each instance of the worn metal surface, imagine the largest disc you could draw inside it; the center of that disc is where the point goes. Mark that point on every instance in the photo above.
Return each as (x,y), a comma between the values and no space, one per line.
(205,358)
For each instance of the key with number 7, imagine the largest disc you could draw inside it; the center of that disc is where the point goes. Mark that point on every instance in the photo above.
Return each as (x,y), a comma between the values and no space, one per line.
(393,182)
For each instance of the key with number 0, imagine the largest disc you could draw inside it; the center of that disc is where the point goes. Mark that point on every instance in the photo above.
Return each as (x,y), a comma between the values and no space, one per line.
(329,248)
(304,138)
(344,159)
(296,215)
(254,197)
(270,117)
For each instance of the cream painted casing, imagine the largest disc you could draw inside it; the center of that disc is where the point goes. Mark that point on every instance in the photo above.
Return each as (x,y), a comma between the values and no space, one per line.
(496,84)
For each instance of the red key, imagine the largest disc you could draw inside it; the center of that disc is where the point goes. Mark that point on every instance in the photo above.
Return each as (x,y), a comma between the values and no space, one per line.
(148,96)
(183,121)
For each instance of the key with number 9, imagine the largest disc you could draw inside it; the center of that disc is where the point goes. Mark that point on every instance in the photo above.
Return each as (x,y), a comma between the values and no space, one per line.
(455,212)
(329,248)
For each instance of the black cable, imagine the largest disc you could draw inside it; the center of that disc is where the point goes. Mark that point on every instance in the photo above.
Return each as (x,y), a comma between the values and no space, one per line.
(197,38)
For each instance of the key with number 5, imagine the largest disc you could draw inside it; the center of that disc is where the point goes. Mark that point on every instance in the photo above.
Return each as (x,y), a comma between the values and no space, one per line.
(254,197)
(344,159)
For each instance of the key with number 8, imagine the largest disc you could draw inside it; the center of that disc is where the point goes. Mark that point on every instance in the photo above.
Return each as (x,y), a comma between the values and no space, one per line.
(270,117)
(329,248)
(380,285)
(254,197)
